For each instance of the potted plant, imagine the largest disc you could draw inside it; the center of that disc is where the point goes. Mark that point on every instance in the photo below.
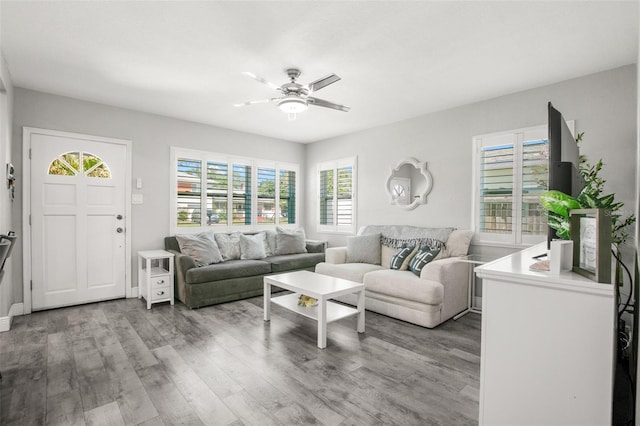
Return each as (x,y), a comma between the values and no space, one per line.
(559,204)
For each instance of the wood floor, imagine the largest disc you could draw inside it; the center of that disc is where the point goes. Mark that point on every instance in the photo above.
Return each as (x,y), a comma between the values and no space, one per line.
(119,363)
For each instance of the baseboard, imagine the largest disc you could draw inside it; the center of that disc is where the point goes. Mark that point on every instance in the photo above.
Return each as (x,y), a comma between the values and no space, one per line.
(15,310)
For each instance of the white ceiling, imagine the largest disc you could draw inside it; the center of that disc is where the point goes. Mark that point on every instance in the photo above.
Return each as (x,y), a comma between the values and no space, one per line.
(397,59)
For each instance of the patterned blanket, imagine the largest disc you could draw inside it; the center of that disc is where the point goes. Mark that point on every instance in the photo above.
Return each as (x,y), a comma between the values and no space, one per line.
(395,236)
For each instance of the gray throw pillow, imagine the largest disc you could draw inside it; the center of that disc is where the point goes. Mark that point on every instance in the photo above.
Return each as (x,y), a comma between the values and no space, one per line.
(290,241)
(270,243)
(229,245)
(201,247)
(252,246)
(364,249)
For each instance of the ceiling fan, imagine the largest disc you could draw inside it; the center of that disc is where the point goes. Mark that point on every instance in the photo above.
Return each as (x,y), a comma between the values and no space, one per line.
(295,98)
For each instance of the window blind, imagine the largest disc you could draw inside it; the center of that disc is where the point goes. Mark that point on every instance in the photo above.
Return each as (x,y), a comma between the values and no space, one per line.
(266,195)
(287,196)
(217,193)
(189,192)
(496,189)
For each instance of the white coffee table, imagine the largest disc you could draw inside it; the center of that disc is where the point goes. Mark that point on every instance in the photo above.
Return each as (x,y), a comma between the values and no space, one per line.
(321,287)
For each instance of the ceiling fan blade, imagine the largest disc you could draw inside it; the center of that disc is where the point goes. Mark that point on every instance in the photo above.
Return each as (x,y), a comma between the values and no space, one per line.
(323,82)
(261,101)
(327,104)
(261,80)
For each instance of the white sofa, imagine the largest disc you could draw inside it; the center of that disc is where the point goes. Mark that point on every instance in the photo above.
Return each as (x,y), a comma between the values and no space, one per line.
(439,293)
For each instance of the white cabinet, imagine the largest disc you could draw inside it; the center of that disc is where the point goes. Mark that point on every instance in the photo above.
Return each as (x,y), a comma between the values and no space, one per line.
(155,276)
(548,346)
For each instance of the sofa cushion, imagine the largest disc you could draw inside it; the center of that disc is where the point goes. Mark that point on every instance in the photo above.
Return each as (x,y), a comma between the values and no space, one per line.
(229,245)
(348,271)
(364,249)
(289,262)
(290,241)
(252,246)
(425,255)
(404,285)
(227,270)
(201,247)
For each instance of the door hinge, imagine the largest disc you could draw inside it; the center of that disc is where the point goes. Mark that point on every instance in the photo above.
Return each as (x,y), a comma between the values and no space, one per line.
(29,220)
(29,153)
(31,284)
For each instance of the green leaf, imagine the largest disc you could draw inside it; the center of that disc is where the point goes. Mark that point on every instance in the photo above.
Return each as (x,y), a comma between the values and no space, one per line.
(559,202)
(604,202)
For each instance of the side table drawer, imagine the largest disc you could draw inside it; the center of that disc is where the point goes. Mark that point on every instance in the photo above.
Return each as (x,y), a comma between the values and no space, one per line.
(160,292)
(160,281)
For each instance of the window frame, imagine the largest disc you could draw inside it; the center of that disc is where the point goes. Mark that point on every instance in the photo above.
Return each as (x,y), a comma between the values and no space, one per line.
(206,157)
(335,166)
(517,137)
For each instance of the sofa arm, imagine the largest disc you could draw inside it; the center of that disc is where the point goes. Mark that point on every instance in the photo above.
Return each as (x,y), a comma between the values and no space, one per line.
(336,255)
(445,270)
(314,246)
(182,263)
(454,277)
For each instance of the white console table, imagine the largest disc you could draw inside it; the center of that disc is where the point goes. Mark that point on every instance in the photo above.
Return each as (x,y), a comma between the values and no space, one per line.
(548,345)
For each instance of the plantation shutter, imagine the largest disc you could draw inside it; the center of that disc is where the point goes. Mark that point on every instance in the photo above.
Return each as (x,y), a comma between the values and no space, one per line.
(345,196)
(326,197)
(535,179)
(266,195)
(496,189)
(217,193)
(241,194)
(189,205)
(287,196)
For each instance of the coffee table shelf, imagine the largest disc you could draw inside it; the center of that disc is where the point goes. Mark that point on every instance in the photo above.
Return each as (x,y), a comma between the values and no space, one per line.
(335,311)
(321,287)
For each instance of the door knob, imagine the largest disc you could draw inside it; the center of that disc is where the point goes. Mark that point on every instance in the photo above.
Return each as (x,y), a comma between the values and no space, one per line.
(119,230)
(119,217)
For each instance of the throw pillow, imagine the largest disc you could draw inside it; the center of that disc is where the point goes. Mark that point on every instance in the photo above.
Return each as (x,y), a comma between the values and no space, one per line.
(401,260)
(270,243)
(290,241)
(458,243)
(364,249)
(201,247)
(425,255)
(252,246)
(229,245)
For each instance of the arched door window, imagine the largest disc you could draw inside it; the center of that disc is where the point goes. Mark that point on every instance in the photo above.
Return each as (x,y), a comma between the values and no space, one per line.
(74,163)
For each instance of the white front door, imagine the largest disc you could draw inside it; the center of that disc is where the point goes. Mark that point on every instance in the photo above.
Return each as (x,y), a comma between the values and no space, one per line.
(77,220)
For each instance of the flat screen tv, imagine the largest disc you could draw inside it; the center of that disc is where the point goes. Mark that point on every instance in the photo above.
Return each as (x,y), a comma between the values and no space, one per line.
(564,160)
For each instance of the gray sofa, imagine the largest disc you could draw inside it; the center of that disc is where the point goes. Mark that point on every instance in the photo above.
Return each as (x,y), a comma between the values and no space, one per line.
(438,293)
(198,286)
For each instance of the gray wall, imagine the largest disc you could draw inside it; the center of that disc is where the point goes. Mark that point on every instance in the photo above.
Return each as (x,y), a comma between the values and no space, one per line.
(603,106)
(6,210)
(152,137)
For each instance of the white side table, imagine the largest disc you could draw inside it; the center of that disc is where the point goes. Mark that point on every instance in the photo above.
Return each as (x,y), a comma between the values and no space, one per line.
(155,276)
(473,260)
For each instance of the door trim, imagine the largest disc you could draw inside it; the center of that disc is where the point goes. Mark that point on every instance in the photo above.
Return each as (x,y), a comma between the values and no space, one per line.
(26,204)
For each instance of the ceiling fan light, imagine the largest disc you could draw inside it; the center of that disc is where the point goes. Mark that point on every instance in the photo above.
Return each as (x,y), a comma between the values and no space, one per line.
(292,105)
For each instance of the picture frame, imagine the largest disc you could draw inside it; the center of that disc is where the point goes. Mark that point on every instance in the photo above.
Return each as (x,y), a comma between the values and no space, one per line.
(591,236)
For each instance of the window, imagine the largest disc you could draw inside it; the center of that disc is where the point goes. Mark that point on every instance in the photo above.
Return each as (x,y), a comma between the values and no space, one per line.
(239,192)
(511,171)
(336,196)
(68,164)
